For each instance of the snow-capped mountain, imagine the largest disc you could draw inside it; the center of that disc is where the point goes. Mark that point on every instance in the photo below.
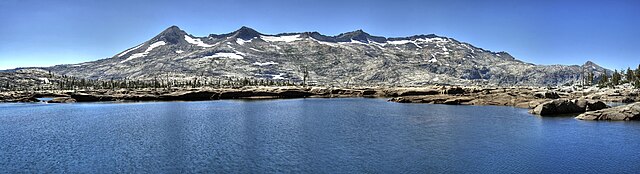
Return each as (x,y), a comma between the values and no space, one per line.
(353,57)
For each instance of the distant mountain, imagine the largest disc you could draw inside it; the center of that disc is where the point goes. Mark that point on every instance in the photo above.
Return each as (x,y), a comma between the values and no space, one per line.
(354,57)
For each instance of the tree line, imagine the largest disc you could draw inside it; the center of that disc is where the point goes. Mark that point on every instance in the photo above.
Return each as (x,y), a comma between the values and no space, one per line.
(63,82)
(629,76)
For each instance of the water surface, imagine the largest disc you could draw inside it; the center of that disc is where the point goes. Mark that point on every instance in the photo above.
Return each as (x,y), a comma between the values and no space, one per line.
(308,136)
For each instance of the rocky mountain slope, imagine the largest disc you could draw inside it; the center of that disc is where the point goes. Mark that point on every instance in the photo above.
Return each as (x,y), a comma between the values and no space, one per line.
(27,79)
(349,58)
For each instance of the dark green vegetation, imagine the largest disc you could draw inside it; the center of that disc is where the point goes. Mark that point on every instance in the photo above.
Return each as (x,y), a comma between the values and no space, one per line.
(621,77)
(38,80)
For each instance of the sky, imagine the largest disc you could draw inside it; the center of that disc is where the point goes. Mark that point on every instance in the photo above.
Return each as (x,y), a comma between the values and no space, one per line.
(51,32)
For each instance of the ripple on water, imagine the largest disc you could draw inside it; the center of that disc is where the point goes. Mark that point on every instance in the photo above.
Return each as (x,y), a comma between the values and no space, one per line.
(306,136)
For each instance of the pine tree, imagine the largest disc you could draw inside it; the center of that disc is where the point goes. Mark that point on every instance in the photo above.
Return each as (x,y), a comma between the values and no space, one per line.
(615,78)
(638,72)
(604,80)
(589,78)
(630,75)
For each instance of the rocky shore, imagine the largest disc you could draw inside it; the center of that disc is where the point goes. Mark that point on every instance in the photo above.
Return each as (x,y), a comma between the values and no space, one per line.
(195,94)
(620,113)
(540,101)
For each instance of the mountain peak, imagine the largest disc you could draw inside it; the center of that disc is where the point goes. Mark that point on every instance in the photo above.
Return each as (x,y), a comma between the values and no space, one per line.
(356,33)
(246,33)
(359,35)
(246,28)
(589,63)
(172,35)
(172,30)
(173,27)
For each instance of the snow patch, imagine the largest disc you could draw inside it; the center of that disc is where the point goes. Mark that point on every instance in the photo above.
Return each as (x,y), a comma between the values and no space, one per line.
(79,64)
(129,50)
(325,43)
(265,63)
(151,47)
(278,77)
(436,39)
(290,38)
(179,51)
(433,60)
(402,42)
(356,42)
(241,41)
(240,53)
(225,55)
(196,41)
(255,49)
(46,80)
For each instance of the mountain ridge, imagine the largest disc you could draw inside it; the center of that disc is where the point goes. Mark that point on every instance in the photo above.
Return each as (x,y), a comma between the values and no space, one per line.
(352,57)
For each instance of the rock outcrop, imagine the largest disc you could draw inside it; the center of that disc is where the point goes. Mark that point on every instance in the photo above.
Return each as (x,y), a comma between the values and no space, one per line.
(191,96)
(214,94)
(62,100)
(517,97)
(565,106)
(25,99)
(454,91)
(621,113)
(82,97)
(548,95)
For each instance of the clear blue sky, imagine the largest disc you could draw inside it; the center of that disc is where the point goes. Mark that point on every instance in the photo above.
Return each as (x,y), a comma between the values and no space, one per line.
(50,32)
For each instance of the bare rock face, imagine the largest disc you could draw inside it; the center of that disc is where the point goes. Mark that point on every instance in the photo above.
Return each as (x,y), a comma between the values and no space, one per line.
(26,99)
(431,99)
(530,104)
(417,92)
(547,95)
(590,105)
(565,106)
(400,100)
(517,97)
(627,100)
(454,91)
(457,101)
(630,112)
(191,96)
(82,97)
(62,100)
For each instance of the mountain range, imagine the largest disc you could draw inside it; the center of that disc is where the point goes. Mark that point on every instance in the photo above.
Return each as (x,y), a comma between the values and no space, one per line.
(354,57)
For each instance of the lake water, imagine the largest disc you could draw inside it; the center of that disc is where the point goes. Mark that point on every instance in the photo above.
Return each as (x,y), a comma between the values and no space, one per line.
(307,136)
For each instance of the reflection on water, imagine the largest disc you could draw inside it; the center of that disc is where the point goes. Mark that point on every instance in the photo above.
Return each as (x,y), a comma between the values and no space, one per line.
(306,136)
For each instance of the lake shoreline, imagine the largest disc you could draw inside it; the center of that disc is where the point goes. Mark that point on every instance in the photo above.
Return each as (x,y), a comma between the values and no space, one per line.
(540,100)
